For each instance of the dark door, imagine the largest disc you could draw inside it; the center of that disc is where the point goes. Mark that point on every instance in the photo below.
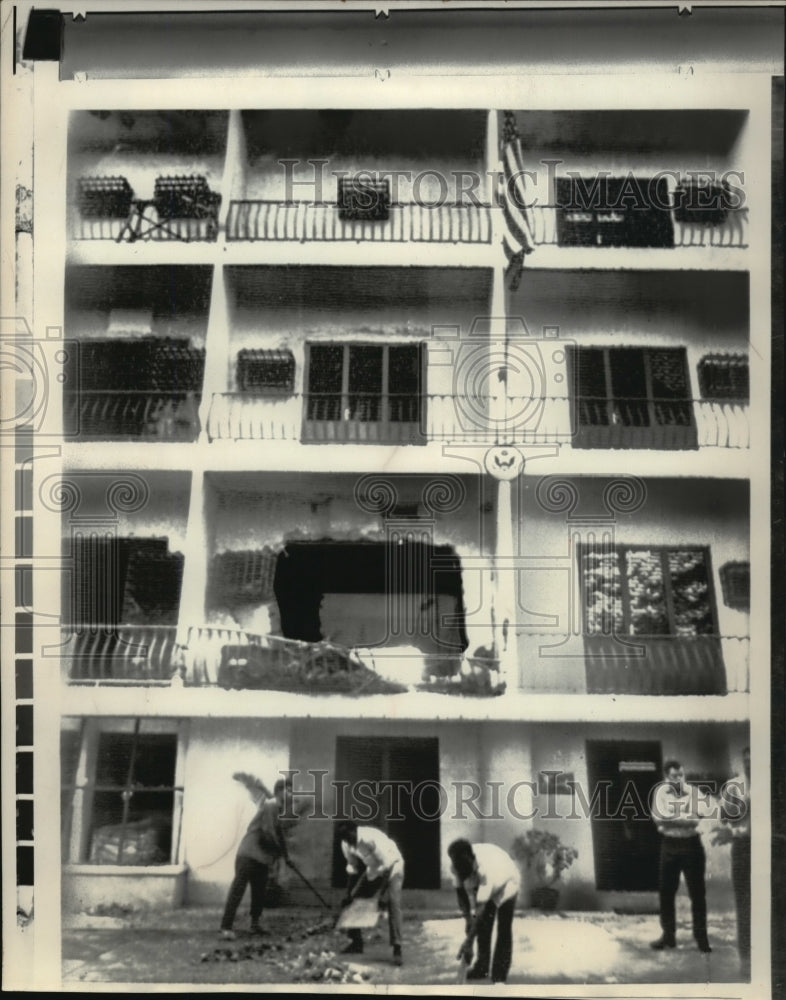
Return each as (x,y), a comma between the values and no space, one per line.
(625,840)
(396,779)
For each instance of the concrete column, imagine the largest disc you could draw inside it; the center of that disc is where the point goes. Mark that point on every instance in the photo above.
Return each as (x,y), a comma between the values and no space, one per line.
(196,556)
(504,587)
(216,378)
(498,360)
(82,814)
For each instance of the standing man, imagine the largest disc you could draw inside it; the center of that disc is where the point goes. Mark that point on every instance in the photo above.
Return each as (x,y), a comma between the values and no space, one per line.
(735,801)
(487,883)
(263,844)
(677,809)
(374,864)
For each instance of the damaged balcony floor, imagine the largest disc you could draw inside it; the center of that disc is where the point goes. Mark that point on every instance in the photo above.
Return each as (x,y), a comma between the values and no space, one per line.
(181,946)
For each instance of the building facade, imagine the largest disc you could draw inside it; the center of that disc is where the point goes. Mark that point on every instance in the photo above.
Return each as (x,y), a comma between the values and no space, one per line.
(408,447)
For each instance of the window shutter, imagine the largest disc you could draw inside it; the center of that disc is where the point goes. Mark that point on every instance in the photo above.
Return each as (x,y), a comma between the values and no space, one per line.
(362,197)
(724,377)
(701,201)
(243,577)
(270,372)
(736,585)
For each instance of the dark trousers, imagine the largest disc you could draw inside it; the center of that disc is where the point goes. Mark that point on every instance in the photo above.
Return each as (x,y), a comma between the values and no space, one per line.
(393,895)
(503,947)
(247,872)
(741,880)
(684,855)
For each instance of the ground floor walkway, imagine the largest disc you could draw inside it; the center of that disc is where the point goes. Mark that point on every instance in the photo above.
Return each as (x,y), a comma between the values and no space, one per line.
(181,946)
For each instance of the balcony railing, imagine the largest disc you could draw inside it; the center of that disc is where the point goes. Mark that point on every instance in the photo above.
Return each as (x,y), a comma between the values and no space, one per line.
(233,658)
(320,221)
(666,665)
(239,416)
(120,653)
(114,415)
(145,224)
(730,233)
(655,423)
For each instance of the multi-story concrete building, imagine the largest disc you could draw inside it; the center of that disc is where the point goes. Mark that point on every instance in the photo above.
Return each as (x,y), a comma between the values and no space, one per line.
(402,444)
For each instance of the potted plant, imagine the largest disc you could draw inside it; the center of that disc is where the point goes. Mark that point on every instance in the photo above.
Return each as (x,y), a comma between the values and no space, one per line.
(546,857)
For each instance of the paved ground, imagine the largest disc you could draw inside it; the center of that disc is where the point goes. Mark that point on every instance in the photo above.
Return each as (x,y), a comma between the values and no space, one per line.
(181,946)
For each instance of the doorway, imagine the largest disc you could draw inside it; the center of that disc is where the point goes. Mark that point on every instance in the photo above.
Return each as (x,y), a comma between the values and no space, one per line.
(395,782)
(626,843)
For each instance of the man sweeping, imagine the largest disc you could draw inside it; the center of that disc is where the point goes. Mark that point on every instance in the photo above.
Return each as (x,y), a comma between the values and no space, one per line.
(375,867)
(263,844)
(487,881)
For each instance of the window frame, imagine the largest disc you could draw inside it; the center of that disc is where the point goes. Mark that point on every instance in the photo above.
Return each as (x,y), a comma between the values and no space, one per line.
(613,433)
(723,363)
(384,396)
(79,826)
(248,356)
(663,551)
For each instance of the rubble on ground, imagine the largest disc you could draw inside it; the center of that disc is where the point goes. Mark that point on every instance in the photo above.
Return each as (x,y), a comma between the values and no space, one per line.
(284,949)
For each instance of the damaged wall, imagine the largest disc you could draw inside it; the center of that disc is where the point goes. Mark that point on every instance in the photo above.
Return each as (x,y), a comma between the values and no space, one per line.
(249,517)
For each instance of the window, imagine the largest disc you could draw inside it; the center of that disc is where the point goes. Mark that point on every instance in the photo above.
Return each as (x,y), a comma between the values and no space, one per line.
(268,372)
(242,577)
(141,387)
(632,392)
(724,377)
(133,797)
(634,590)
(364,382)
(736,585)
(699,200)
(363,197)
(185,198)
(125,580)
(614,212)
(107,197)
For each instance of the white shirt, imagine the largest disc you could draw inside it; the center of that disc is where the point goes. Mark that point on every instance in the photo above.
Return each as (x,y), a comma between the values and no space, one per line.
(496,877)
(736,806)
(679,813)
(375,849)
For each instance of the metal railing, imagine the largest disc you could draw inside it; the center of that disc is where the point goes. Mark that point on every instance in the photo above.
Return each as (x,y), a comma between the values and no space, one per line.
(130,653)
(262,219)
(145,224)
(599,423)
(128,414)
(732,232)
(672,665)
(233,658)
(658,423)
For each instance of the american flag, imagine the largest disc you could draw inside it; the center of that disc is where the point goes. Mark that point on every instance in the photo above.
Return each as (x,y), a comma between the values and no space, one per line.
(517,239)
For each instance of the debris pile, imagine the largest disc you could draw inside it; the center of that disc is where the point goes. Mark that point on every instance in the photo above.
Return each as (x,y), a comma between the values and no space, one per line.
(325,967)
(284,950)
(240,952)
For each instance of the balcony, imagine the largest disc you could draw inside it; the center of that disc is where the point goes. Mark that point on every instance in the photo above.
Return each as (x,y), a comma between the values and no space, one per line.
(129,415)
(302,222)
(138,654)
(681,424)
(660,424)
(316,418)
(144,223)
(234,659)
(183,208)
(553,225)
(666,665)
